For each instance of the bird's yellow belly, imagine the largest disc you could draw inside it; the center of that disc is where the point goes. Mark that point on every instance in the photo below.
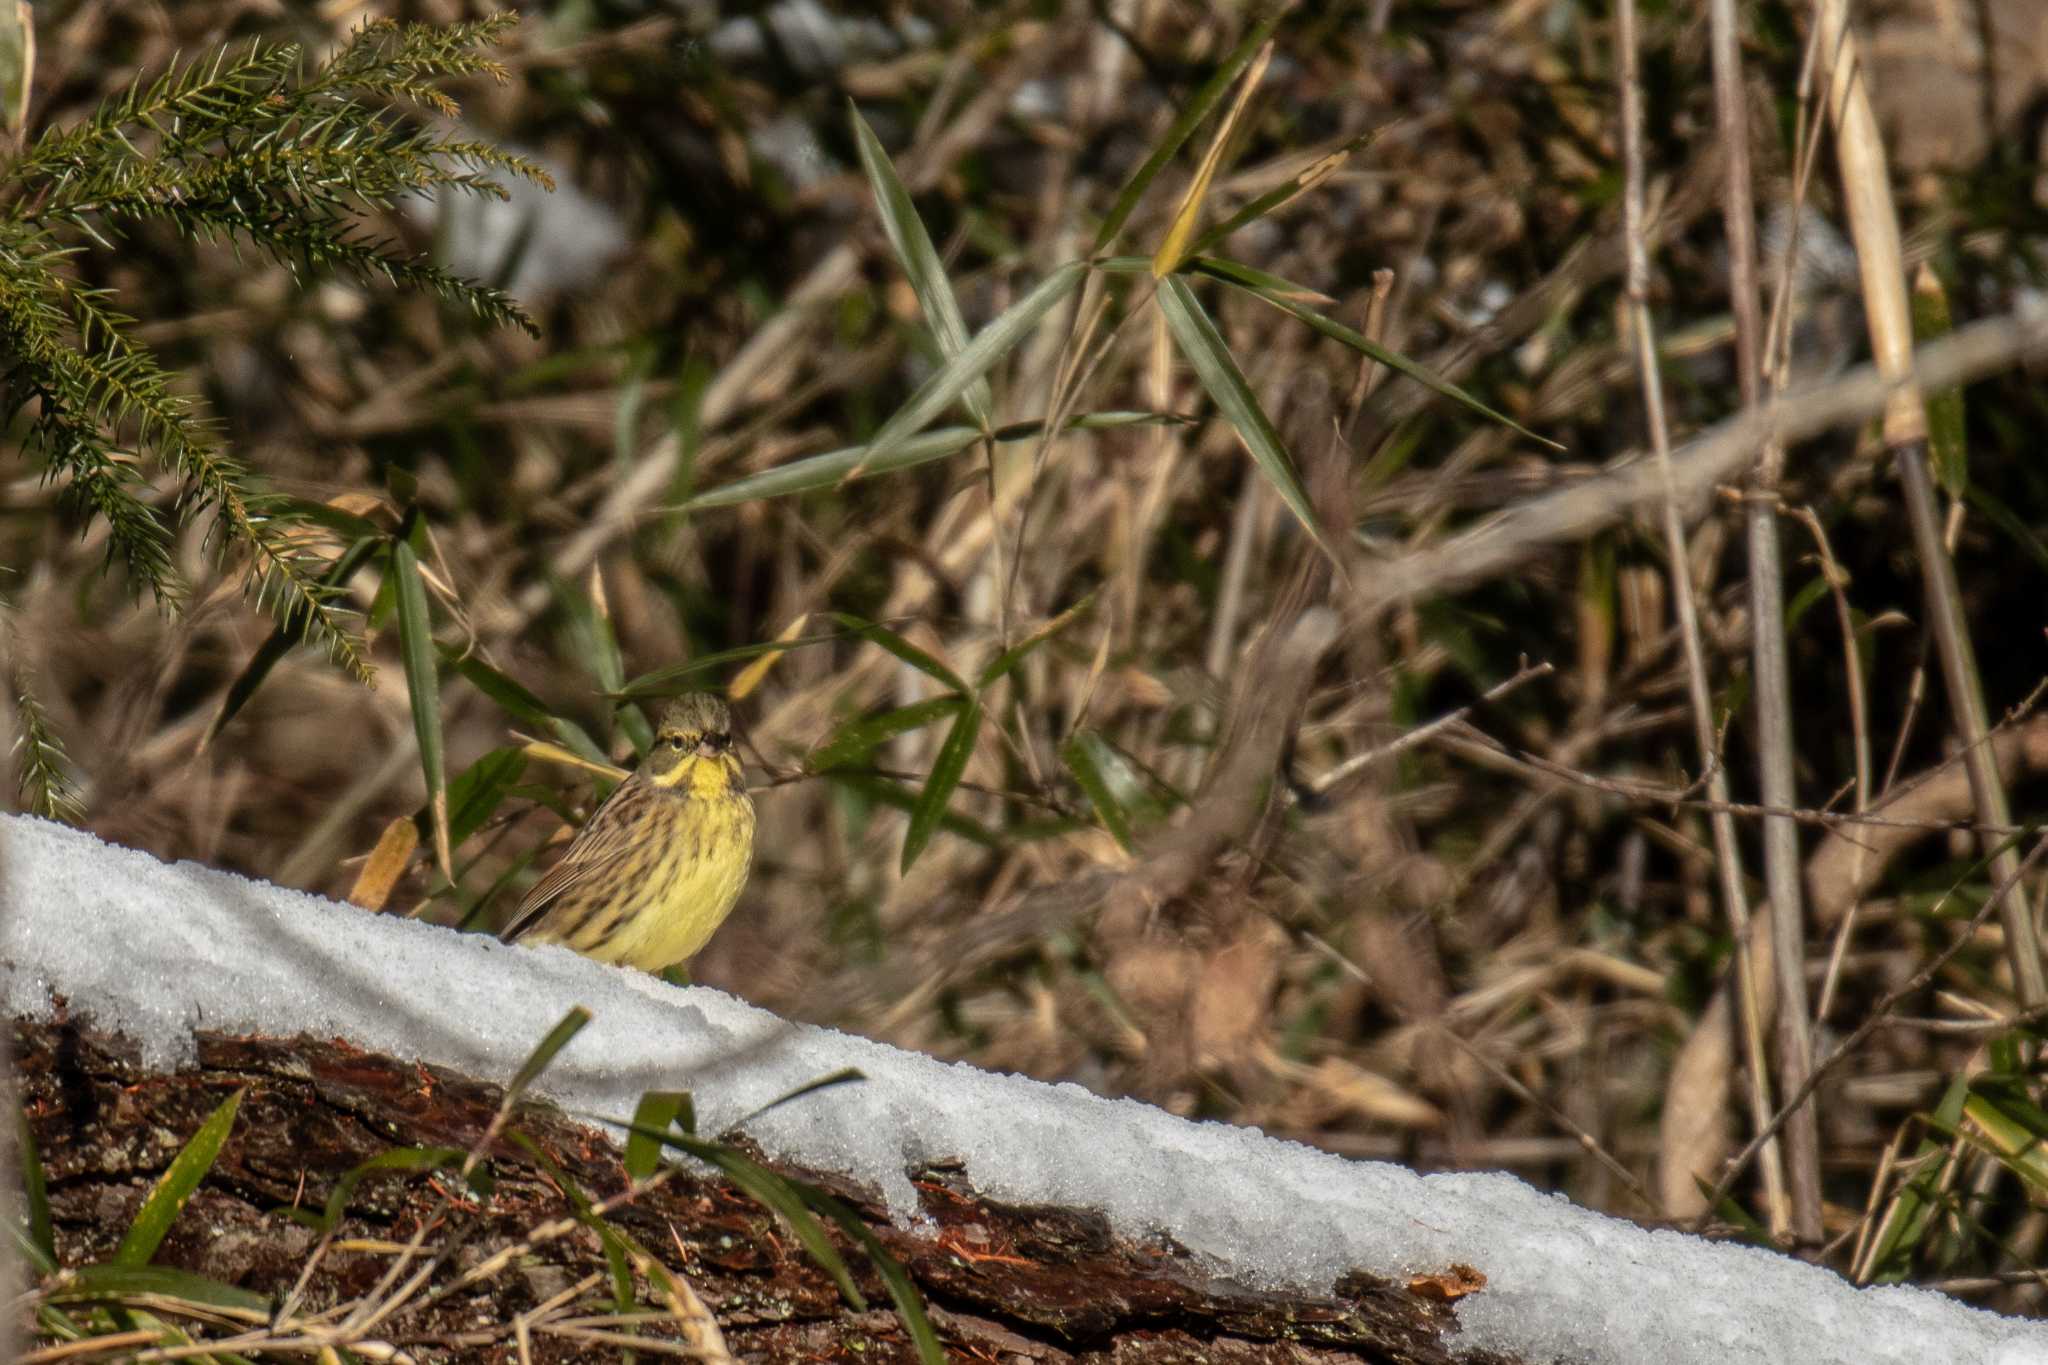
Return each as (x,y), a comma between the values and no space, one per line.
(685,897)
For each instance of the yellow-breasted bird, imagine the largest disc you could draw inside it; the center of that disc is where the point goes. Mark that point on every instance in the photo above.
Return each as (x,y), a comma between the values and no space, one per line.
(657,867)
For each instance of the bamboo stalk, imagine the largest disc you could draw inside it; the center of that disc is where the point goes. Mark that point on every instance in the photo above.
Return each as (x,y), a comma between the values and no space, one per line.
(1727,854)
(1873,224)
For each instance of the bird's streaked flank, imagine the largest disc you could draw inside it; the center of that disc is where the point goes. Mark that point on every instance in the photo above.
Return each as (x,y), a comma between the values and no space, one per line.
(657,867)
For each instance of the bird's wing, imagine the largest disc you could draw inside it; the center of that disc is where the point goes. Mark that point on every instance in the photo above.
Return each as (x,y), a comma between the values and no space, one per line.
(605,837)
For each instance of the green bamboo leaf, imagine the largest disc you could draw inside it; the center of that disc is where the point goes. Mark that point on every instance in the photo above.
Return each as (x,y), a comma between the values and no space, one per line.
(859,737)
(36,1222)
(684,677)
(1019,652)
(657,1112)
(1315,174)
(285,638)
(476,795)
(618,1259)
(885,792)
(119,1281)
(510,695)
(994,342)
(945,775)
(1919,1199)
(594,640)
(835,467)
(1257,281)
(1287,301)
(1947,443)
(846,1075)
(165,1202)
(1203,345)
(902,1289)
(913,246)
(422,681)
(544,1055)
(1114,786)
(902,649)
(402,1160)
(2012,1126)
(1204,100)
(774,1192)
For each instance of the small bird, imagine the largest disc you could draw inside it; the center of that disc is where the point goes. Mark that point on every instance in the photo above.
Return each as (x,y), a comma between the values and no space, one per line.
(657,867)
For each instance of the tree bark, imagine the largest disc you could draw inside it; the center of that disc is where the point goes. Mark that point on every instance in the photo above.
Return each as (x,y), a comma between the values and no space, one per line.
(1000,1283)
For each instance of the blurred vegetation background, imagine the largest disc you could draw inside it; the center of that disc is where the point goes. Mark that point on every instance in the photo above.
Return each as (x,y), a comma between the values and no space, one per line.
(1484,948)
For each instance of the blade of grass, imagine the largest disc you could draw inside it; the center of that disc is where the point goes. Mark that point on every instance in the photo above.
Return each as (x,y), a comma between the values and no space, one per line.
(399,1160)
(1321,169)
(979,356)
(667,682)
(476,795)
(416,649)
(902,649)
(1019,652)
(121,1281)
(1203,345)
(846,1075)
(921,264)
(945,775)
(1173,250)
(1243,277)
(36,1223)
(1190,118)
(860,736)
(1115,788)
(771,1191)
(657,1112)
(902,1290)
(750,677)
(175,1186)
(545,1053)
(890,793)
(284,639)
(835,467)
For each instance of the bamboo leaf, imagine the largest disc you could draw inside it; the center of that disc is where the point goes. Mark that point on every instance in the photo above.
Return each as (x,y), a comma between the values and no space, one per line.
(1113,785)
(476,795)
(544,1055)
(1173,250)
(1203,345)
(1242,277)
(750,677)
(416,648)
(120,1281)
(1191,117)
(386,864)
(667,682)
(945,775)
(913,246)
(860,736)
(1019,652)
(902,649)
(902,1289)
(36,1186)
(399,1160)
(657,1112)
(980,355)
(835,467)
(286,637)
(1315,174)
(165,1202)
